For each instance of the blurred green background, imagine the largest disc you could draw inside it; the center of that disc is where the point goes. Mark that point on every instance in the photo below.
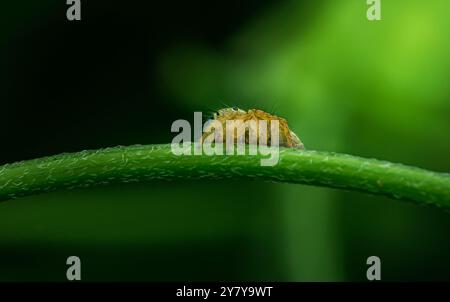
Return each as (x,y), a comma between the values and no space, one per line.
(125,72)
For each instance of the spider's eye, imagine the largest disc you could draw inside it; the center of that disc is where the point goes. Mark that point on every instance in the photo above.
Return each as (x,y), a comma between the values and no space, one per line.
(235,108)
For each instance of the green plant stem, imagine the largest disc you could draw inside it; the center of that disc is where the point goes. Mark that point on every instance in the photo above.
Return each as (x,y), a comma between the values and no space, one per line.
(137,164)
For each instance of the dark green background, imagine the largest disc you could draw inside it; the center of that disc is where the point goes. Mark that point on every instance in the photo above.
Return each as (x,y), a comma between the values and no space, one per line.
(125,72)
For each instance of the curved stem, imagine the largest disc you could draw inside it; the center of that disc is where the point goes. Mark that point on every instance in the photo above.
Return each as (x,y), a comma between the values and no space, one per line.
(156,162)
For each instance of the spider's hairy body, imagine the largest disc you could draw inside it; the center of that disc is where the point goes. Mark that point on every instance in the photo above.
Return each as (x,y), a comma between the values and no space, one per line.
(287,137)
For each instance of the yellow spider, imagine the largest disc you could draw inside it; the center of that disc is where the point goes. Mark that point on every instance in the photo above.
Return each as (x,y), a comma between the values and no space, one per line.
(286,136)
